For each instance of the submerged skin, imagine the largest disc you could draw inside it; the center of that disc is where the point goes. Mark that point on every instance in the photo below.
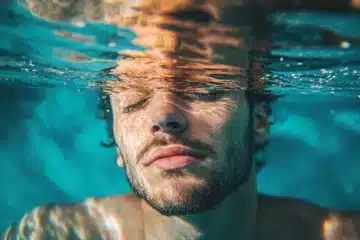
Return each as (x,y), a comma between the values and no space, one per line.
(122,217)
(154,107)
(130,217)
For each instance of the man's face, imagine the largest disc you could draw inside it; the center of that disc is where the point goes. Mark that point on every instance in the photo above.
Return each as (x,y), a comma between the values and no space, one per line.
(202,143)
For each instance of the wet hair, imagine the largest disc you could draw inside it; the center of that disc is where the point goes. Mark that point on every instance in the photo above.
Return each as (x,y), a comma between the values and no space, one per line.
(107,115)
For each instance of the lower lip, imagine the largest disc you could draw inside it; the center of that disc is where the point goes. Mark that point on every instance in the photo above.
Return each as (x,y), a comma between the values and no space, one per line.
(174,162)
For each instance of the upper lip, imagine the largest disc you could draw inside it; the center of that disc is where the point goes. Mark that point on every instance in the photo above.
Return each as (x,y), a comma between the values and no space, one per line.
(174,151)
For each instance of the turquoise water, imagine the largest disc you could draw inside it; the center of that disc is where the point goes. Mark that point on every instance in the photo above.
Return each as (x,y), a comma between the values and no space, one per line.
(50,132)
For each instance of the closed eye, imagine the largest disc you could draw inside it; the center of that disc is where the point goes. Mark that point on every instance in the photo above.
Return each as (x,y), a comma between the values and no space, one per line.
(209,96)
(134,107)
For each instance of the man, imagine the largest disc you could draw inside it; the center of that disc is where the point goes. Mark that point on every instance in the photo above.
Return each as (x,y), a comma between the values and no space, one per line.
(188,114)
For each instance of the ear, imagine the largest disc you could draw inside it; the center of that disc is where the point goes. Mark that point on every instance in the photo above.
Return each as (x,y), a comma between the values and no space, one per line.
(119,157)
(261,124)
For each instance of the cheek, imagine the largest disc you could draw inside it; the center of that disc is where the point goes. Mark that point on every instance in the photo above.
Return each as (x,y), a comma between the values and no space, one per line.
(129,132)
(213,120)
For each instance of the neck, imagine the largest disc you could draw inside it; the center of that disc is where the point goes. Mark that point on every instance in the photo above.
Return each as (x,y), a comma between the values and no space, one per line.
(233,218)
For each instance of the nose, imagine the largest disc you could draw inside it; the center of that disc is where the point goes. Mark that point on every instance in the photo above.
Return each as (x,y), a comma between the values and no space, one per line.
(170,122)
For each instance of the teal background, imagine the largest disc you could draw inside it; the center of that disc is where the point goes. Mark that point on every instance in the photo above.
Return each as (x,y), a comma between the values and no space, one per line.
(50,150)
(50,135)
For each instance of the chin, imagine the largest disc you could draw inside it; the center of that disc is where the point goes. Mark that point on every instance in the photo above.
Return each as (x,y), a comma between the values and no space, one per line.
(179,182)
(179,197)
(180,192)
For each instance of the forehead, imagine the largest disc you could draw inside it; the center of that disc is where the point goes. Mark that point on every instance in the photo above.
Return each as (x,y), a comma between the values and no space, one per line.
(227,100)
(140,91)
(139,77)
(165,71)
(142,86)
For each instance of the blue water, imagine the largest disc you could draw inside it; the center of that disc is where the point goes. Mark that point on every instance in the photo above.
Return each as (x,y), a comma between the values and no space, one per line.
(50,132)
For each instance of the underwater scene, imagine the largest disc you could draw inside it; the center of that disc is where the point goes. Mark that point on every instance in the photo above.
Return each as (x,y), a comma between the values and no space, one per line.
(190,110)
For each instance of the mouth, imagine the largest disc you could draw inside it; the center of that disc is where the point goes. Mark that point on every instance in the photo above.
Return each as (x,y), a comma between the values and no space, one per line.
(175,157)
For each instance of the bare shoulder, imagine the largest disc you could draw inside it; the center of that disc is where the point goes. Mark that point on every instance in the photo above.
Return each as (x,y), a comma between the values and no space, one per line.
(289,204)
(94,217)
(289,218)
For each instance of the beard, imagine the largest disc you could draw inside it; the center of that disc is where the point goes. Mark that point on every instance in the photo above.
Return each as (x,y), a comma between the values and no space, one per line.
(232,168)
